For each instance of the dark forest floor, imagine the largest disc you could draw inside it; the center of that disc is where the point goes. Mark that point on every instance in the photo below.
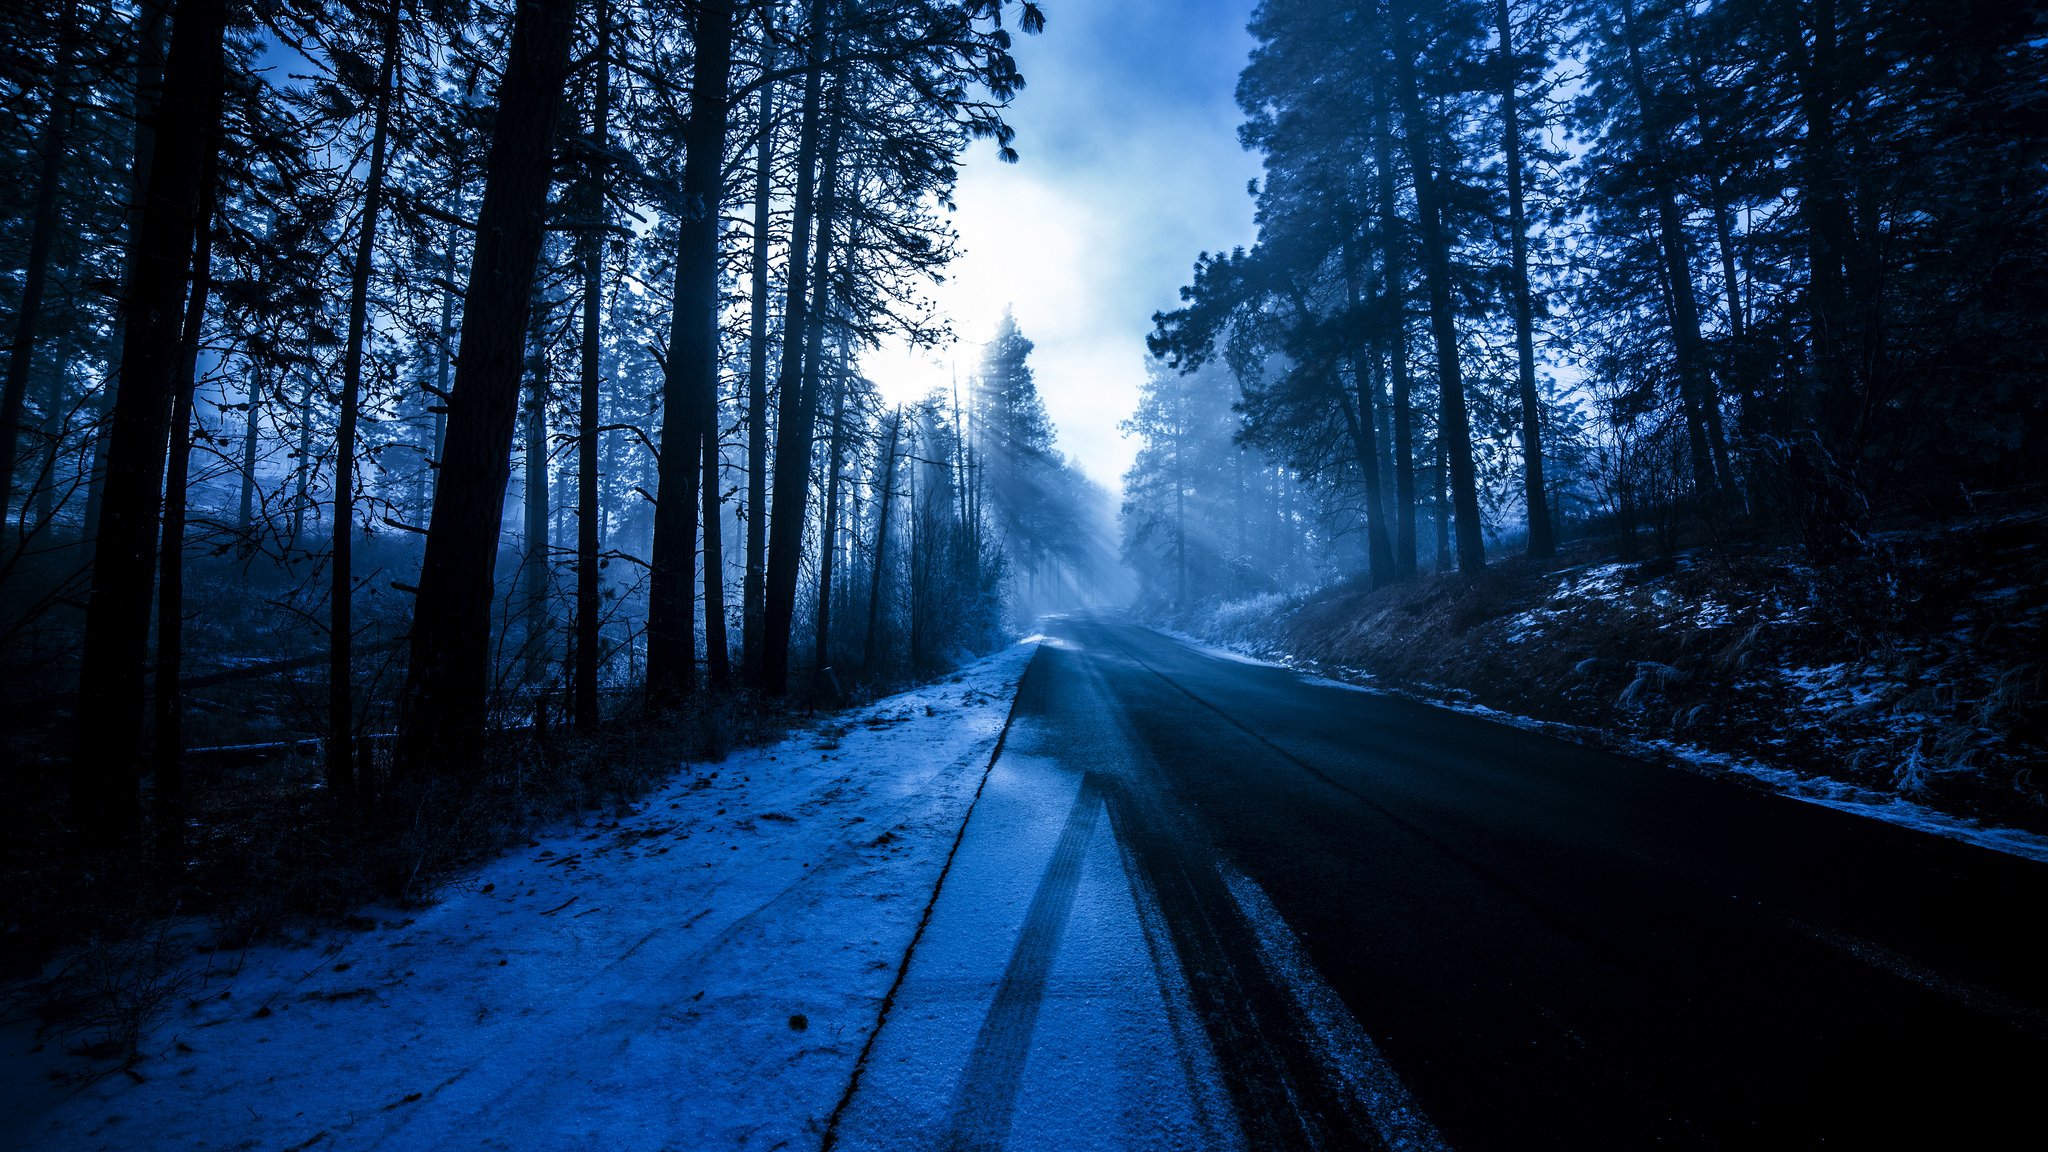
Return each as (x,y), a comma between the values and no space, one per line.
(1913,671)
(267,854)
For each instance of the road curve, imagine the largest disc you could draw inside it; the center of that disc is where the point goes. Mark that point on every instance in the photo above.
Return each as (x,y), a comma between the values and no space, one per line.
(1550,946)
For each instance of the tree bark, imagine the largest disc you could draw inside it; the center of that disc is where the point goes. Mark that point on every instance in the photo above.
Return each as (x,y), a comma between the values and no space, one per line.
(757,395)
(42,237)
(717,646)
(341,781)
(1541,543)
(444,357)
(692,369)
(533,560)
(884,497)
(302,461)
(443,712)
(105,795)
(1454,427)
(168,758)
(1362,422)
(588,416)
(796,411)
(152,22)
(828,536)
(1394,294)
(1695,386)
(56,418)
(245,521)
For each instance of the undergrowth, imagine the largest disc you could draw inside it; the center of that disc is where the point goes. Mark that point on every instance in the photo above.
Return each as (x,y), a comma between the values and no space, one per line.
(1913,669)
(95,949)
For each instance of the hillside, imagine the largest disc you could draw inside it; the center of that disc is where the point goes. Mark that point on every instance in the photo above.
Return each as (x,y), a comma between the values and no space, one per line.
(1912,674)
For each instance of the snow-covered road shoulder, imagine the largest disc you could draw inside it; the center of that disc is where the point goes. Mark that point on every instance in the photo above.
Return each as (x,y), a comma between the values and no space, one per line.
(701,972)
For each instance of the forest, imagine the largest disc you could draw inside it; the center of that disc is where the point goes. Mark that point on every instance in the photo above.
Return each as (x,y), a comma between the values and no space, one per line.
(655,574)
(1648,271)
(415,409)
(1670,371)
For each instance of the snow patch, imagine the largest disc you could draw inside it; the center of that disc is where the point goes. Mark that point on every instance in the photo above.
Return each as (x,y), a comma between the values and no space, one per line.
(1235,657)
(700,972)
(1368,1079)
(1831,793)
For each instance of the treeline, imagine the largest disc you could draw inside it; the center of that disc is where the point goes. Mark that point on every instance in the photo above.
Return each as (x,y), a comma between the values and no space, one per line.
(1527,266)
(514,348)
(1208,514)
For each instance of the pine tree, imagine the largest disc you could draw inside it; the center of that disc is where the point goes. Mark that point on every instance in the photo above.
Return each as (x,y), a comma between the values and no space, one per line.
(448,676)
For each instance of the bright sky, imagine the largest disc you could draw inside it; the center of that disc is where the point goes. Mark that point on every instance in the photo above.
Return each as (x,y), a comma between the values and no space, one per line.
(1131,166)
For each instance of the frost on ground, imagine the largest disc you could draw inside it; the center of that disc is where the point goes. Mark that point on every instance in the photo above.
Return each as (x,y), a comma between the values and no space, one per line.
(699,973)
(1044,1006)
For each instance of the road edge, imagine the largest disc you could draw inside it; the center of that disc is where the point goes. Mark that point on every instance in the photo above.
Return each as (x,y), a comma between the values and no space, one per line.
(924,920)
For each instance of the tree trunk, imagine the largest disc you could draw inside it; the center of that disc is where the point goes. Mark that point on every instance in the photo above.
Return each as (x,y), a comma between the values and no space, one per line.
(796,412)
(169,753)
(442,718)
(152,21)
(588,416)
(918,567)
(1541,543)
(302,462)
(690,391)
(533,560)
(1365,449)
(1717,191)
(341,782)
(1695,386)
(1362,421)
(717,646)
(1394,294)
(1443,509)
(444,359)
(884,497)
(1241,560)
(1823,207)
(1454,431)
(245,521)
(56,417)
(757,394)
(42,236)
(105,799)
(1180,509)
(828,537)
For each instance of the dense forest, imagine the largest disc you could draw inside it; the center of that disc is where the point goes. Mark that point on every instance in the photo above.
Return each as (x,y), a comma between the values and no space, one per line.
(1657,273)
(542,602)
(401,396)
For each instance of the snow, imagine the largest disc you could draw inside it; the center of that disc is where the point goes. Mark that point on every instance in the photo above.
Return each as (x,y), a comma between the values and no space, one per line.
(1368,1079)
(908,926)
(1831,793)
(1600,582)
(1525,626)
(699,973)
(1044,1007)
(1207,649)
(1834,687)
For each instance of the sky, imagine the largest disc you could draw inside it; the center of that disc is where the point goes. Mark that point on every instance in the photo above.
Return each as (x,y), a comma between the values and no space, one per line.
(1130,167)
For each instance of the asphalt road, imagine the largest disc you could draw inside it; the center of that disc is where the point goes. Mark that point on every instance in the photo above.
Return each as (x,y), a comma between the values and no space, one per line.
(1549,946)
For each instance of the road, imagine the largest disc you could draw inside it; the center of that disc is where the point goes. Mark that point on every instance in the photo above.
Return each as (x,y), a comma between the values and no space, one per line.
(1517,942)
